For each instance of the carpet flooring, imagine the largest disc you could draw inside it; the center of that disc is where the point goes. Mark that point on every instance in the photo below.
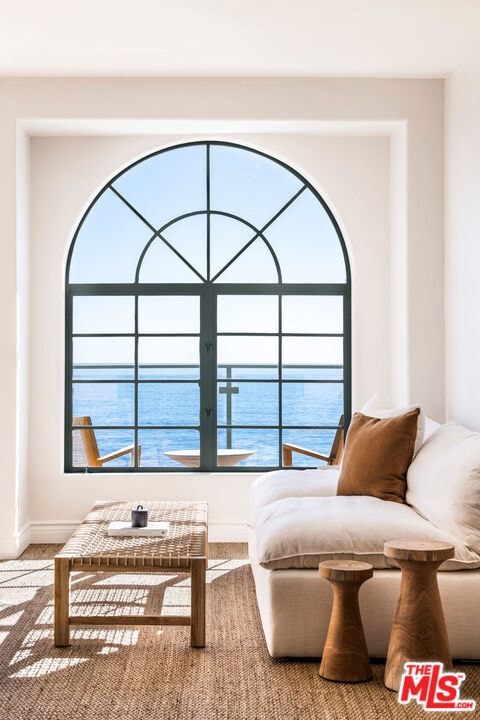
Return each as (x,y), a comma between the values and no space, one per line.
(143,673)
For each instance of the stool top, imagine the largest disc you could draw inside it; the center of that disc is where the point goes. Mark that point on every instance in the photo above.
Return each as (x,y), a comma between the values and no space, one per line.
(419,550)
(353,571)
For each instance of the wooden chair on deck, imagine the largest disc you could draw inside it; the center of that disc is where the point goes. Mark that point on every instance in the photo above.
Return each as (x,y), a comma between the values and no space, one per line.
(332,459)
(85,449)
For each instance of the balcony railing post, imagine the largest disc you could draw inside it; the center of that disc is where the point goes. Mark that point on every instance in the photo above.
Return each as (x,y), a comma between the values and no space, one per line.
(228,389)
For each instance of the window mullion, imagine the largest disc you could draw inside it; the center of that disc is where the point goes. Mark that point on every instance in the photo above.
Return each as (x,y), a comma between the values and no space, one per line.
(207,179)
(280,378)
(136,374)
(208,367)
(347,357)
(69,381)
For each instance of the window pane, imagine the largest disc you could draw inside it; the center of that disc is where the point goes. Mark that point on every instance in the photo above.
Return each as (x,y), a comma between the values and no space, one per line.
(255,265)
(315,351)
(247,350)
(100,314)
(168,403)
(247,313)
(312,314)
(317,440)
(108,441)
(312,403)
(189,238)
(252,404)
(256,372)
(103,351)
(169,350)
(155,443)
(161,265)
(263,443)
(249,185)
(176,372)
(227,238)
(306,243)
(312,372)
(98,372)
(166,314)
(167,185)
(109,243)
(105,403)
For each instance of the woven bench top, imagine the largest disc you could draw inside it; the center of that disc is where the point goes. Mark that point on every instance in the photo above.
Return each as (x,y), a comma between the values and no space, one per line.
(91,545)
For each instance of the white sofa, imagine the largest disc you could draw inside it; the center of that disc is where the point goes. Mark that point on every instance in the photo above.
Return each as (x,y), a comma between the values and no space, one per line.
(297,520)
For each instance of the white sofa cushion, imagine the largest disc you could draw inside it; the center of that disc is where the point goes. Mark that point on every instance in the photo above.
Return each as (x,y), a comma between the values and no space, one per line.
(443,482)
(300,532)
(281,484)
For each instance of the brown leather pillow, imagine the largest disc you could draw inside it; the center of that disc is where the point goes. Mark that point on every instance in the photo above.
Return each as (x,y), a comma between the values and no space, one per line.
(377,455)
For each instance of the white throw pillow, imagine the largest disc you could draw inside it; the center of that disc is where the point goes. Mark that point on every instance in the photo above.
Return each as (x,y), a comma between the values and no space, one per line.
(443,482)
(379,407)
(430,427)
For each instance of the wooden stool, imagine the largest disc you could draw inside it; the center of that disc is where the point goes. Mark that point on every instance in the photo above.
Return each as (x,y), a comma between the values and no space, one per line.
(419,632)
(345,656)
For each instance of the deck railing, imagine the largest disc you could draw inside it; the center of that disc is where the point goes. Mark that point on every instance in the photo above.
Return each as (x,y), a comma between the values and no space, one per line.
(230,377)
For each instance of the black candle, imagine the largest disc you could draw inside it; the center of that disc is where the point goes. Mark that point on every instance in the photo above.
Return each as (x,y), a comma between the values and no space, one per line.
(140,517)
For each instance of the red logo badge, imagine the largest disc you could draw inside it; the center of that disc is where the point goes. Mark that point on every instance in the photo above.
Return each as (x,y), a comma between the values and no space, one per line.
(426,683)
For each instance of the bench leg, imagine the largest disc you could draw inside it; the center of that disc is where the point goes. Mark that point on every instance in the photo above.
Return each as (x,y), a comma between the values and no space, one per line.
(62,602)
(197,610)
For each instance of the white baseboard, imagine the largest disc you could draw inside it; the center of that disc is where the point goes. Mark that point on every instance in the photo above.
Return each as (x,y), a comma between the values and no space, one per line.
(227,532)
(45,532)
(12,546)
(42,533)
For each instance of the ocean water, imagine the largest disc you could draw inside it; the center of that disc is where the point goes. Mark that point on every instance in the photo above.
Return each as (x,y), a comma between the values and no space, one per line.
(169,411)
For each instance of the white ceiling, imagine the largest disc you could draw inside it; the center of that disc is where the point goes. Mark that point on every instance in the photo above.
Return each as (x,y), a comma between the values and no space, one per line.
(370,38)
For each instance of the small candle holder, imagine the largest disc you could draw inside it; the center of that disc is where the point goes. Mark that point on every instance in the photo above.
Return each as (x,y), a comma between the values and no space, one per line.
(140,517)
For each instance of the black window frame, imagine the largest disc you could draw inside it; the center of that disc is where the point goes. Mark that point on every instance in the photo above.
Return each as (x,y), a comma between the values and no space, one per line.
(208,290)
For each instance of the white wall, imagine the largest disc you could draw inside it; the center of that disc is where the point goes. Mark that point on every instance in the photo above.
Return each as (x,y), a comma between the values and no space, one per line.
(463,245)
(373,148)
(65,173)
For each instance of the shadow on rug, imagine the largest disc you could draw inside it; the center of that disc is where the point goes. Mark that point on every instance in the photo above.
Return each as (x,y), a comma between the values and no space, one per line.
(127,672)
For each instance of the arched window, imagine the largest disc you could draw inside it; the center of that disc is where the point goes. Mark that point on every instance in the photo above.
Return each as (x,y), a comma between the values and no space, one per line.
(207,316)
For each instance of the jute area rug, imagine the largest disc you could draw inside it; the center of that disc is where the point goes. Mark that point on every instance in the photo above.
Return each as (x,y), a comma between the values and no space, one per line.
(126,673)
